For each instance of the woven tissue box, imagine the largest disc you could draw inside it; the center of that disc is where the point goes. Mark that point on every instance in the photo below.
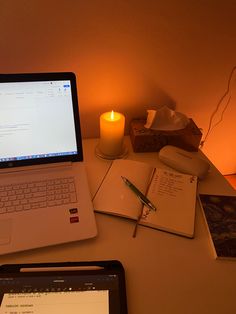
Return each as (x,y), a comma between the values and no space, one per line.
(147,140)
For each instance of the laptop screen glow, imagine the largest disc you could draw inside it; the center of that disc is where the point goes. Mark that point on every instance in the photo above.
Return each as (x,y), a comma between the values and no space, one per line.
(36,120)
(75,293)
(87,302)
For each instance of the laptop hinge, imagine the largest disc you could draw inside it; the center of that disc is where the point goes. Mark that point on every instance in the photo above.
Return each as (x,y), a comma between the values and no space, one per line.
(36,167)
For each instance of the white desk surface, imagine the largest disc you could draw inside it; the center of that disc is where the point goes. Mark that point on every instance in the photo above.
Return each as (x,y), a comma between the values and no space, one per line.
(165,273)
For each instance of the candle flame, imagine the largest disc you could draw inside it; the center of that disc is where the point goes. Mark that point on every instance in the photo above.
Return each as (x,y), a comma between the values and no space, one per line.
(112,115)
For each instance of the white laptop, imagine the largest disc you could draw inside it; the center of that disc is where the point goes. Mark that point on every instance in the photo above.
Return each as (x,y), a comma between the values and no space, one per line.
(44,194)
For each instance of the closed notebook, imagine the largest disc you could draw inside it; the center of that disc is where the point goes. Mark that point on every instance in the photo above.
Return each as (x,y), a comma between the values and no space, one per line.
(220,217)
(173,194)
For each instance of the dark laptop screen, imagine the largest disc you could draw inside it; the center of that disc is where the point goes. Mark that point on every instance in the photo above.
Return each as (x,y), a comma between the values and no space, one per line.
(39,119)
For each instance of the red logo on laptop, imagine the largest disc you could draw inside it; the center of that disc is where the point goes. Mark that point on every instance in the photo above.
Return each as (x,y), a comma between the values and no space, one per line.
(74,219)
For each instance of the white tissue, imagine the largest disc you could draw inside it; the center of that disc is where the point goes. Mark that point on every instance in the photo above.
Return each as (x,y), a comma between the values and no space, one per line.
(166,119)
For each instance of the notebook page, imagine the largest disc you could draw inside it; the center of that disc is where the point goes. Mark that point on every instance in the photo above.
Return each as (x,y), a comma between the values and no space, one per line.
(115,197)
(174,195)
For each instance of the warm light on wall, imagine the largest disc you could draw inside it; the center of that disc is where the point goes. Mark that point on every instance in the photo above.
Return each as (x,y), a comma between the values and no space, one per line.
(221,149)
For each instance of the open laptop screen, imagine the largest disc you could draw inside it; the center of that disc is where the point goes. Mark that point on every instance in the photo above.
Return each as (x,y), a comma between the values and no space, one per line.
(39,119)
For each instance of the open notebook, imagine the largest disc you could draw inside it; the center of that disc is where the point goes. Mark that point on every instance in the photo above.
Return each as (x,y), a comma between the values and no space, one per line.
(44,195)
(173,194)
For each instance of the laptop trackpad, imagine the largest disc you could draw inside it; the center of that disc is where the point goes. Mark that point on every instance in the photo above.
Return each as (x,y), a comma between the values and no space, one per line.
(5,231)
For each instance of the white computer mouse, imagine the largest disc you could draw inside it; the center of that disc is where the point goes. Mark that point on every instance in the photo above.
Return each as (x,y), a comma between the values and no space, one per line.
(184,161)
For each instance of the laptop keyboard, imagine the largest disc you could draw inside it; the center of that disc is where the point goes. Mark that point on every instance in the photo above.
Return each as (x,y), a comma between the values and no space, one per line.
(37,194)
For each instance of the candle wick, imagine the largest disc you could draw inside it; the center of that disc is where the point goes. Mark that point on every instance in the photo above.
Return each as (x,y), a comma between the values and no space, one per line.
(112,115)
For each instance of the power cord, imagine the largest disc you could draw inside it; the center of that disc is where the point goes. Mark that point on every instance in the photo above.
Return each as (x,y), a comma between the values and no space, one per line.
(227,93)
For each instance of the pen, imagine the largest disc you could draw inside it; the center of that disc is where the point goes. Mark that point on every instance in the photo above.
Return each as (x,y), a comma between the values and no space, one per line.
(139,194)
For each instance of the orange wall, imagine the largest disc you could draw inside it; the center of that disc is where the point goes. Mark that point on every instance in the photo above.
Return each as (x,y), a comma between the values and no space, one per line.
(131,55)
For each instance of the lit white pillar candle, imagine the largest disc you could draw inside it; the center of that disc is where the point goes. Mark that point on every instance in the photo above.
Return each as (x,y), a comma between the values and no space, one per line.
(112,126)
